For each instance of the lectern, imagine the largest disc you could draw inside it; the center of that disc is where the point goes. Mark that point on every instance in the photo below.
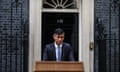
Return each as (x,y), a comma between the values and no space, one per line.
(63,66)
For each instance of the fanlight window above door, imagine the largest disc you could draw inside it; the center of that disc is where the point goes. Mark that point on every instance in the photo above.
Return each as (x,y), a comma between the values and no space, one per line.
(60,4)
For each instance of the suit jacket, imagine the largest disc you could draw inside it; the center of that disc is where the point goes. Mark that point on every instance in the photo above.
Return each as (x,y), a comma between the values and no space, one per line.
(49,53)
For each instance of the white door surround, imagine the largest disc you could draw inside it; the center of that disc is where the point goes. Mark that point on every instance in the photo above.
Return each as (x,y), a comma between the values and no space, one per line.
(86,34)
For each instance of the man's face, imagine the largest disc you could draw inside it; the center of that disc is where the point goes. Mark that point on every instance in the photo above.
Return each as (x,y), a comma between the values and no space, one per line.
(58,38)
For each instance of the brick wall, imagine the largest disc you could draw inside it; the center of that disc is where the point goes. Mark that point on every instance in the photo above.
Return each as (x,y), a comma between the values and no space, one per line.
(14,35)
(107,34)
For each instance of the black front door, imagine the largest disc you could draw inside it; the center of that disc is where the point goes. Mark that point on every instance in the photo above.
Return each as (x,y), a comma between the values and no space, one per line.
(67,21)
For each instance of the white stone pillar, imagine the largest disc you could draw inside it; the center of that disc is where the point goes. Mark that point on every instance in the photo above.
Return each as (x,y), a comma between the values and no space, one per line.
(87,33)
(35,33)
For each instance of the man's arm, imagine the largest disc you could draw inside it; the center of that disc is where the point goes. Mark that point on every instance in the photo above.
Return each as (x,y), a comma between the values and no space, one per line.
(71,54)
(45,57)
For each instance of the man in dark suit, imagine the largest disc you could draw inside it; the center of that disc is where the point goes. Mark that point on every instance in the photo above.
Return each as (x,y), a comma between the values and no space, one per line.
(59,50)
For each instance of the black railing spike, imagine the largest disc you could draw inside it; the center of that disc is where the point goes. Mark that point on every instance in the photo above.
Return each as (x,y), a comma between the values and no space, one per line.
(16,7)
(16,1)
(17,4)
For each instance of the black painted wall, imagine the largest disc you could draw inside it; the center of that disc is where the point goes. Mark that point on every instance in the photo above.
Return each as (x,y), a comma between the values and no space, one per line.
(14,30)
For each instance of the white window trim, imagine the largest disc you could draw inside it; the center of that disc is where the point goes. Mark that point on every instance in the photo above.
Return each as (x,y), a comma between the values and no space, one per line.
(61,10)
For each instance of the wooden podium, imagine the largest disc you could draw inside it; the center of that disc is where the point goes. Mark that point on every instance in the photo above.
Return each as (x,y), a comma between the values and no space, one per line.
(51,66)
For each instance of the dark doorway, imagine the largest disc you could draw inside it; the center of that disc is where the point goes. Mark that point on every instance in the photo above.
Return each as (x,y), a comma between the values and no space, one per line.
(67,21)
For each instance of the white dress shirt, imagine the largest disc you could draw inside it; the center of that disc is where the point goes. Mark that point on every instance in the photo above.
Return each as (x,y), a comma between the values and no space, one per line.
(56,49)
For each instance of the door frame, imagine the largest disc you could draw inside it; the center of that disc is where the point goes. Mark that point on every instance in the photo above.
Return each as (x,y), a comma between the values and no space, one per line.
(50,22)
(86,32)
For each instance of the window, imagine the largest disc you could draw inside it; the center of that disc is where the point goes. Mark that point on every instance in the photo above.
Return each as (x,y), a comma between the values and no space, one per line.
(60,4)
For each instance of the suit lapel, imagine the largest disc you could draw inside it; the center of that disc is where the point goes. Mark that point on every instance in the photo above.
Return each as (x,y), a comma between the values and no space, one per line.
(54,51)
(63,51)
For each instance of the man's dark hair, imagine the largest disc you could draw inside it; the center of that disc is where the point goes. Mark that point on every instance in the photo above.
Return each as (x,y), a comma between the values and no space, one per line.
(58,31)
